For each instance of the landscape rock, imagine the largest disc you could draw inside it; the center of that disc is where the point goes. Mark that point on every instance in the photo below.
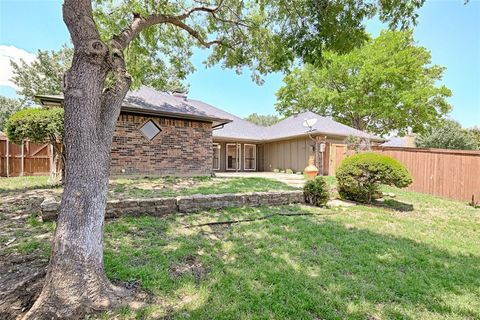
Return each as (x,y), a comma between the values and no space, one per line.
(340,203)
(184,204)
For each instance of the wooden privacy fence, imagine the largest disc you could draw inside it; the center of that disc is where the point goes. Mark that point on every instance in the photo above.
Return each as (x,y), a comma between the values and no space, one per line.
(452,174)
(28,159)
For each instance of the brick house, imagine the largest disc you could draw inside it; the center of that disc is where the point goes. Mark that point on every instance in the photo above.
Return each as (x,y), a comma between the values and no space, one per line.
(159,133)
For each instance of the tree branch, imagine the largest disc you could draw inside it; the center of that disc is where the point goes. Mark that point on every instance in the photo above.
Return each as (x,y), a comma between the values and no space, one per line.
(201,8)
(112,97)
(78,16)
(139,23)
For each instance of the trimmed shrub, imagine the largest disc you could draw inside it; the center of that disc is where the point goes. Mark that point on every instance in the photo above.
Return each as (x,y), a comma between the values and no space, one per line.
(316,192)
(289,171)
(360,176)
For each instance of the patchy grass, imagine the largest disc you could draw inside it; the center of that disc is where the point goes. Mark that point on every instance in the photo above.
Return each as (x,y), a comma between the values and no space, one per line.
(173,186)
(156,187)
(19,184)
(355,263)
(361,262)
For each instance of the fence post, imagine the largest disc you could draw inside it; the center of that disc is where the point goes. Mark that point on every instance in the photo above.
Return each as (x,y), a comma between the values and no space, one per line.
(22,172)
(8,158)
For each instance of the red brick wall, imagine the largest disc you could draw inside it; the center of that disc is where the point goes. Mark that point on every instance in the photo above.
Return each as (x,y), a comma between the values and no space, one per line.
(183,147)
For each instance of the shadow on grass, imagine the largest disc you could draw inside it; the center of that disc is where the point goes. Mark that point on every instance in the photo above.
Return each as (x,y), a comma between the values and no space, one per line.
(395,205)
(294,267)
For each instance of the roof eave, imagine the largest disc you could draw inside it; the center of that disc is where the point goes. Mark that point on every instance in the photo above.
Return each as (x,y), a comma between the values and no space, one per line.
(215,121)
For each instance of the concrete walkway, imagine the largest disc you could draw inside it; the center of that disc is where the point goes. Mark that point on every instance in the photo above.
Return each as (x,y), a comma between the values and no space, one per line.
(294,180)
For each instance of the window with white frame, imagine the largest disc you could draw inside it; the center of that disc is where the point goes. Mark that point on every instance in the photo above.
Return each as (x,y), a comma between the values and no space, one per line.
(249,156)
(232,151)
(216,156)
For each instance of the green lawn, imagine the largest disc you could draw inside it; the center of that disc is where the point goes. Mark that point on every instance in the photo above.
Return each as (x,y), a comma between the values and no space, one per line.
(19,184)
(354,263)
(362,262)
(156,187)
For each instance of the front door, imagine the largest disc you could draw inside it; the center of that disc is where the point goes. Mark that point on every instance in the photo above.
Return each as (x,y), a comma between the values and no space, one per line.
(233,156)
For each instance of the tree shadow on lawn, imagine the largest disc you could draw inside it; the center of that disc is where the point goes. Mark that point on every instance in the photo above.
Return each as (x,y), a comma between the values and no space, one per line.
(394,205)
(300,268)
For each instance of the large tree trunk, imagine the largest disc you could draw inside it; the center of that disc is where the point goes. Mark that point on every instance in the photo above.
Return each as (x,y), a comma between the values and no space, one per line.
(75,283)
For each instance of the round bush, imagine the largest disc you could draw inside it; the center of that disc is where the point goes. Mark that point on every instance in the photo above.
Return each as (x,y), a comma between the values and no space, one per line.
(316,192)
(360,176)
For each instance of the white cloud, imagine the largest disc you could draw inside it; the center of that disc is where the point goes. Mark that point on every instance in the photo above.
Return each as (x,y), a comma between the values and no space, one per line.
(8,53)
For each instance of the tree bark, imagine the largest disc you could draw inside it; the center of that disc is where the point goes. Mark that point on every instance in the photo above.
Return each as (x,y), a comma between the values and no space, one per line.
(75,283)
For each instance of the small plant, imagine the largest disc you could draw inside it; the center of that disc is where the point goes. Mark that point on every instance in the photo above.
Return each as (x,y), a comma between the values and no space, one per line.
(474,203)
(316,192)
(289,171)
(359,177)
(276,170)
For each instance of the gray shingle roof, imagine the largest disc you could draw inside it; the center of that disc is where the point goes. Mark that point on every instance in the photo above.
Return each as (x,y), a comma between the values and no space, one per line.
(239,128)
(242,129)
(146,100)
(293,126)
(401,142)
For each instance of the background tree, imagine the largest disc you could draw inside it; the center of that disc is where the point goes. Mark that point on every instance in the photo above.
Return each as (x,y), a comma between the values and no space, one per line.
(387,84)
(474,132)
(44,75)
(263,120)
(40,125)
(113,44)
(8,107)
(449,134)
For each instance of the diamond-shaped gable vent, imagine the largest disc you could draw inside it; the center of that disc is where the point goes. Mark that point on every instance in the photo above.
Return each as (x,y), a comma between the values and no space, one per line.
(150,130)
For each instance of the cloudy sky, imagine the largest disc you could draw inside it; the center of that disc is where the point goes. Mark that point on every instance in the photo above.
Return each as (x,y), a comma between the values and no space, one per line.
(448,28)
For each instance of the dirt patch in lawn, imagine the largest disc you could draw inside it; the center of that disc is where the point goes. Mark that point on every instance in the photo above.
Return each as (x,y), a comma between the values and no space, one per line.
(21,280)
(191,265)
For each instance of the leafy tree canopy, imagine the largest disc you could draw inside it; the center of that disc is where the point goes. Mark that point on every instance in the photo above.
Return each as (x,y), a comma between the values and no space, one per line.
(387,84)
(263,120)
(8,107)
(263,36)
(449,134)
(44,75)
(39,125)
(474,132)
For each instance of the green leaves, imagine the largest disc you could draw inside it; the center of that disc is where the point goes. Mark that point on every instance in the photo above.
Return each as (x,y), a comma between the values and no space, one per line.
(386,85)
(8,106)
(449,134)
(263,36)
(263,120)
(42,76)
(38,125)
(360,175)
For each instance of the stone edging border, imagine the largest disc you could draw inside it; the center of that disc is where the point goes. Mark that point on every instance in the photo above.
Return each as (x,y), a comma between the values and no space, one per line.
(184,204)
